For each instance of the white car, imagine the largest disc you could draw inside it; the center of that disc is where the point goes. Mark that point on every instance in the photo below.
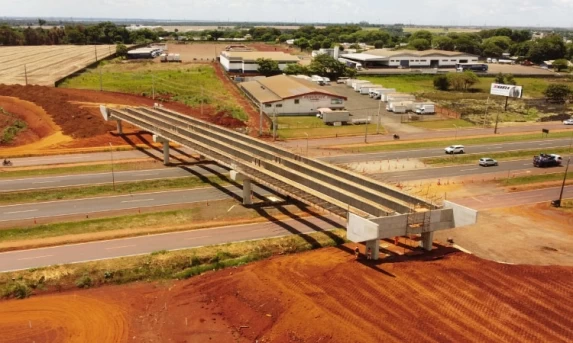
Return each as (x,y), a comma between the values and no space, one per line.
(455,149)
(486,162)
(568,121)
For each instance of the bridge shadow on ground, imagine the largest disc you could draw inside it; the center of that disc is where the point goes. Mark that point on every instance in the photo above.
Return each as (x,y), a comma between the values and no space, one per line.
(158,156)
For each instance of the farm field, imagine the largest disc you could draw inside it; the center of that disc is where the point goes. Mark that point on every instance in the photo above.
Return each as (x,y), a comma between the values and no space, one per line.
(47,64)
(318,296)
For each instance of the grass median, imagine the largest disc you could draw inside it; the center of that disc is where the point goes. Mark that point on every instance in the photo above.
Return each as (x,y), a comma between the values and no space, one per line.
(70,193)
(296,127)
(158,265)
(445,143)
(499,156)
(540,178)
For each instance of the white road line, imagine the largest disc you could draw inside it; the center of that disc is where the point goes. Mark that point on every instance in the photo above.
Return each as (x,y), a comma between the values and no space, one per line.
(139,200)
(469,169)
(543,143)
(192,238)
(33,258)
(121,247)
(44,181)
(14,212)
(148,174)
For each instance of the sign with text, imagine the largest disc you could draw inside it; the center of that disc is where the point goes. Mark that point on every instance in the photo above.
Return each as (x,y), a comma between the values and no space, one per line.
(506,90)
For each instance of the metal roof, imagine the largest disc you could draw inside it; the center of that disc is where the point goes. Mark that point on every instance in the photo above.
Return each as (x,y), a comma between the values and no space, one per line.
(252,56)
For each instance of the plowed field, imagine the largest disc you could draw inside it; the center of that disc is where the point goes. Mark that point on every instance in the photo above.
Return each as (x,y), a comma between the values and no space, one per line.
(46,64)
(327,296)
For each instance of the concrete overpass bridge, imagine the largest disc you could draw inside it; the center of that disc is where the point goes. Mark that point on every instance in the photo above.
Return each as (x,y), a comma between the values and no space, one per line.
(373,210)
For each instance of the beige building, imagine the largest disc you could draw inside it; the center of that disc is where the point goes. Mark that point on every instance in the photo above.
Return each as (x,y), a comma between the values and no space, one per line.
(246,61)
(381,58)
(288,95)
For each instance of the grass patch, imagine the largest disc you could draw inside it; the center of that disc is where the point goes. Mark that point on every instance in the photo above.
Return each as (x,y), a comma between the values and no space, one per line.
(528,179)
(189,84)
(445,143)
(442,124)
(500,156)
(179,264)
(107,189)
(295,127)
(92,168)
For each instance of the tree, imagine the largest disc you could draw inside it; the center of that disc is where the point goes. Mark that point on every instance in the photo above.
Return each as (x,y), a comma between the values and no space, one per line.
(41,22)
(302,43)
(268,67)
(420,44)
(296,69)
(557,92)
(443,43)
(499,78)
(441,82)
(560,64)
(463,81)
(495,46)
(378,44)
(326,65)
(421,34)
(121,50)
(326,44)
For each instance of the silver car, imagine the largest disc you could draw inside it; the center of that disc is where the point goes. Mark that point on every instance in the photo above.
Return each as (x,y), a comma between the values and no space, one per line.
(568,122)
(486,162)
(455,149)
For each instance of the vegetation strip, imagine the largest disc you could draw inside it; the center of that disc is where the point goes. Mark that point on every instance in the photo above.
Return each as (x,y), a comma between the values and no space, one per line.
(529,179)
(500,156)
(159,265)
(445,143)
(70,193)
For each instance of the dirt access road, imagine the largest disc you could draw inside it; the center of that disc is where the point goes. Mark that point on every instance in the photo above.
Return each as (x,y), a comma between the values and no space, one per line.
(319,296)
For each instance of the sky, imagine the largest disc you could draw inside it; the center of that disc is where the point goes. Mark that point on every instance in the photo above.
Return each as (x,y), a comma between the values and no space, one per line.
(530,13)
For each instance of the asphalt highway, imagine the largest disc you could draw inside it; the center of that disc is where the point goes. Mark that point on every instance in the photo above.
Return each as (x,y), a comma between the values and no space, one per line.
(21,184)
(119,202)
(73,253)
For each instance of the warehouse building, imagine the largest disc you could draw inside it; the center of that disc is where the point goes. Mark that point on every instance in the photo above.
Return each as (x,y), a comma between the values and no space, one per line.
(288,95)
(384,58)
(246,61)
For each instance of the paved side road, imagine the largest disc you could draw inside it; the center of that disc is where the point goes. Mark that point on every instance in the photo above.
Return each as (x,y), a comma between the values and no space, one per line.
(486,202)
(74,253)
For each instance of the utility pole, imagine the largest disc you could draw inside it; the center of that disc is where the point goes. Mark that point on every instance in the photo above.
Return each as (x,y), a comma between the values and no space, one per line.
(25,75)
(152,87)
(366,131)
(275,124)
(306,144)
(112,172)
(378,118)
(260,119)
(201,101)
(100,81)
(95,51)
(486,106)
(563,184)
(496,121)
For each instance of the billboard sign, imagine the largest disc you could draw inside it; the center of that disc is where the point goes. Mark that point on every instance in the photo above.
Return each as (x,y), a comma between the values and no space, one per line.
(506,90)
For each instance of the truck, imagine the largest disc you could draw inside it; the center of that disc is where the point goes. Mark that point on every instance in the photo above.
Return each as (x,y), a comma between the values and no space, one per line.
(547,160)
(377,94)
(170,58)
(400,97)
(335,117)
(356,84)
(407,105)
(425,109)
(365,88)
(372,90)
(399,108)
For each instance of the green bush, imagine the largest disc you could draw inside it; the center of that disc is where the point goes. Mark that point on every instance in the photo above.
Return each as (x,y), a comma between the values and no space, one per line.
(18,290)
(84,282)
(441,82)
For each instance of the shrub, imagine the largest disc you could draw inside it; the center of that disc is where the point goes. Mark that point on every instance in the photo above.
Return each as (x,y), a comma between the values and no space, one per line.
(16,290)
(84,282)
(441,82)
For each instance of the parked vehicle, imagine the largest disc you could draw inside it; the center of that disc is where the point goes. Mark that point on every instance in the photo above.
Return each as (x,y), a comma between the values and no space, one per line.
(568,121)
(335,117)
(426,109)
(379,92)
(547,160)
(342,79)
(455,149)
(365,88)
(487,162)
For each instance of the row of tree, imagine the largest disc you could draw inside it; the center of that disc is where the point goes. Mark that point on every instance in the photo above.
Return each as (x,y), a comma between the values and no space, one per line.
(101,33)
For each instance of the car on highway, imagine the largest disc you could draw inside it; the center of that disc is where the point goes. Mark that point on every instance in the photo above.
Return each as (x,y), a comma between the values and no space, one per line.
(455,149)
(486,162)
(568,121)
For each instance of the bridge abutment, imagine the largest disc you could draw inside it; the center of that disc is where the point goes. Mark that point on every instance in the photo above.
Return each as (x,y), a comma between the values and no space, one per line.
(427,239)
(374,246)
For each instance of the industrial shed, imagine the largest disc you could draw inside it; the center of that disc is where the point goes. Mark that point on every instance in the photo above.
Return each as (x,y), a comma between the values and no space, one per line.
(383,58)
(246,61)
(288,95)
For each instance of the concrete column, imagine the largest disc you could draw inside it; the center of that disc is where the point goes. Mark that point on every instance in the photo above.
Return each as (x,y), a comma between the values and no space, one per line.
(119,127)
(374,246)
(247,200)
(427,240)
(166,152)
(202,158)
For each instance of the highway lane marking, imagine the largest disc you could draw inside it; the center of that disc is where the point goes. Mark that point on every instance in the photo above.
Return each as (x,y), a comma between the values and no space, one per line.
(469,169)
(33,258)
(137,200)
(149,174)
(192,238)
(24,211)
(543,143)
(45,181)
(120,247)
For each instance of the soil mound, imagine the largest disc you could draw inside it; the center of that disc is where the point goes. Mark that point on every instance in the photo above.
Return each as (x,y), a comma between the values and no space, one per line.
(39,123)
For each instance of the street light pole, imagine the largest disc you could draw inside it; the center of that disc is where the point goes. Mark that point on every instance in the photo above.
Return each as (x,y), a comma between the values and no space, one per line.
(456,137)
(378,118)
(112,171)
(306,144)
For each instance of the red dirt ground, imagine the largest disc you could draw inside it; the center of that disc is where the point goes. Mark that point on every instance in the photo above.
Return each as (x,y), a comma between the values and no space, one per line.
(40,124)
(77,113)
(325,296)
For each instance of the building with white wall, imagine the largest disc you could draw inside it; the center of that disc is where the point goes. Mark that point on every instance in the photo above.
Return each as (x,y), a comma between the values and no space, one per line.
(246,61)
(289,95)
(384,58)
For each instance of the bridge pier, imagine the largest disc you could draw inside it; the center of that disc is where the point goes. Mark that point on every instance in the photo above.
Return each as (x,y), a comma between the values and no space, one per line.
(119,127)
(374,246)
(165,143)
(247,187)
(427,239)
